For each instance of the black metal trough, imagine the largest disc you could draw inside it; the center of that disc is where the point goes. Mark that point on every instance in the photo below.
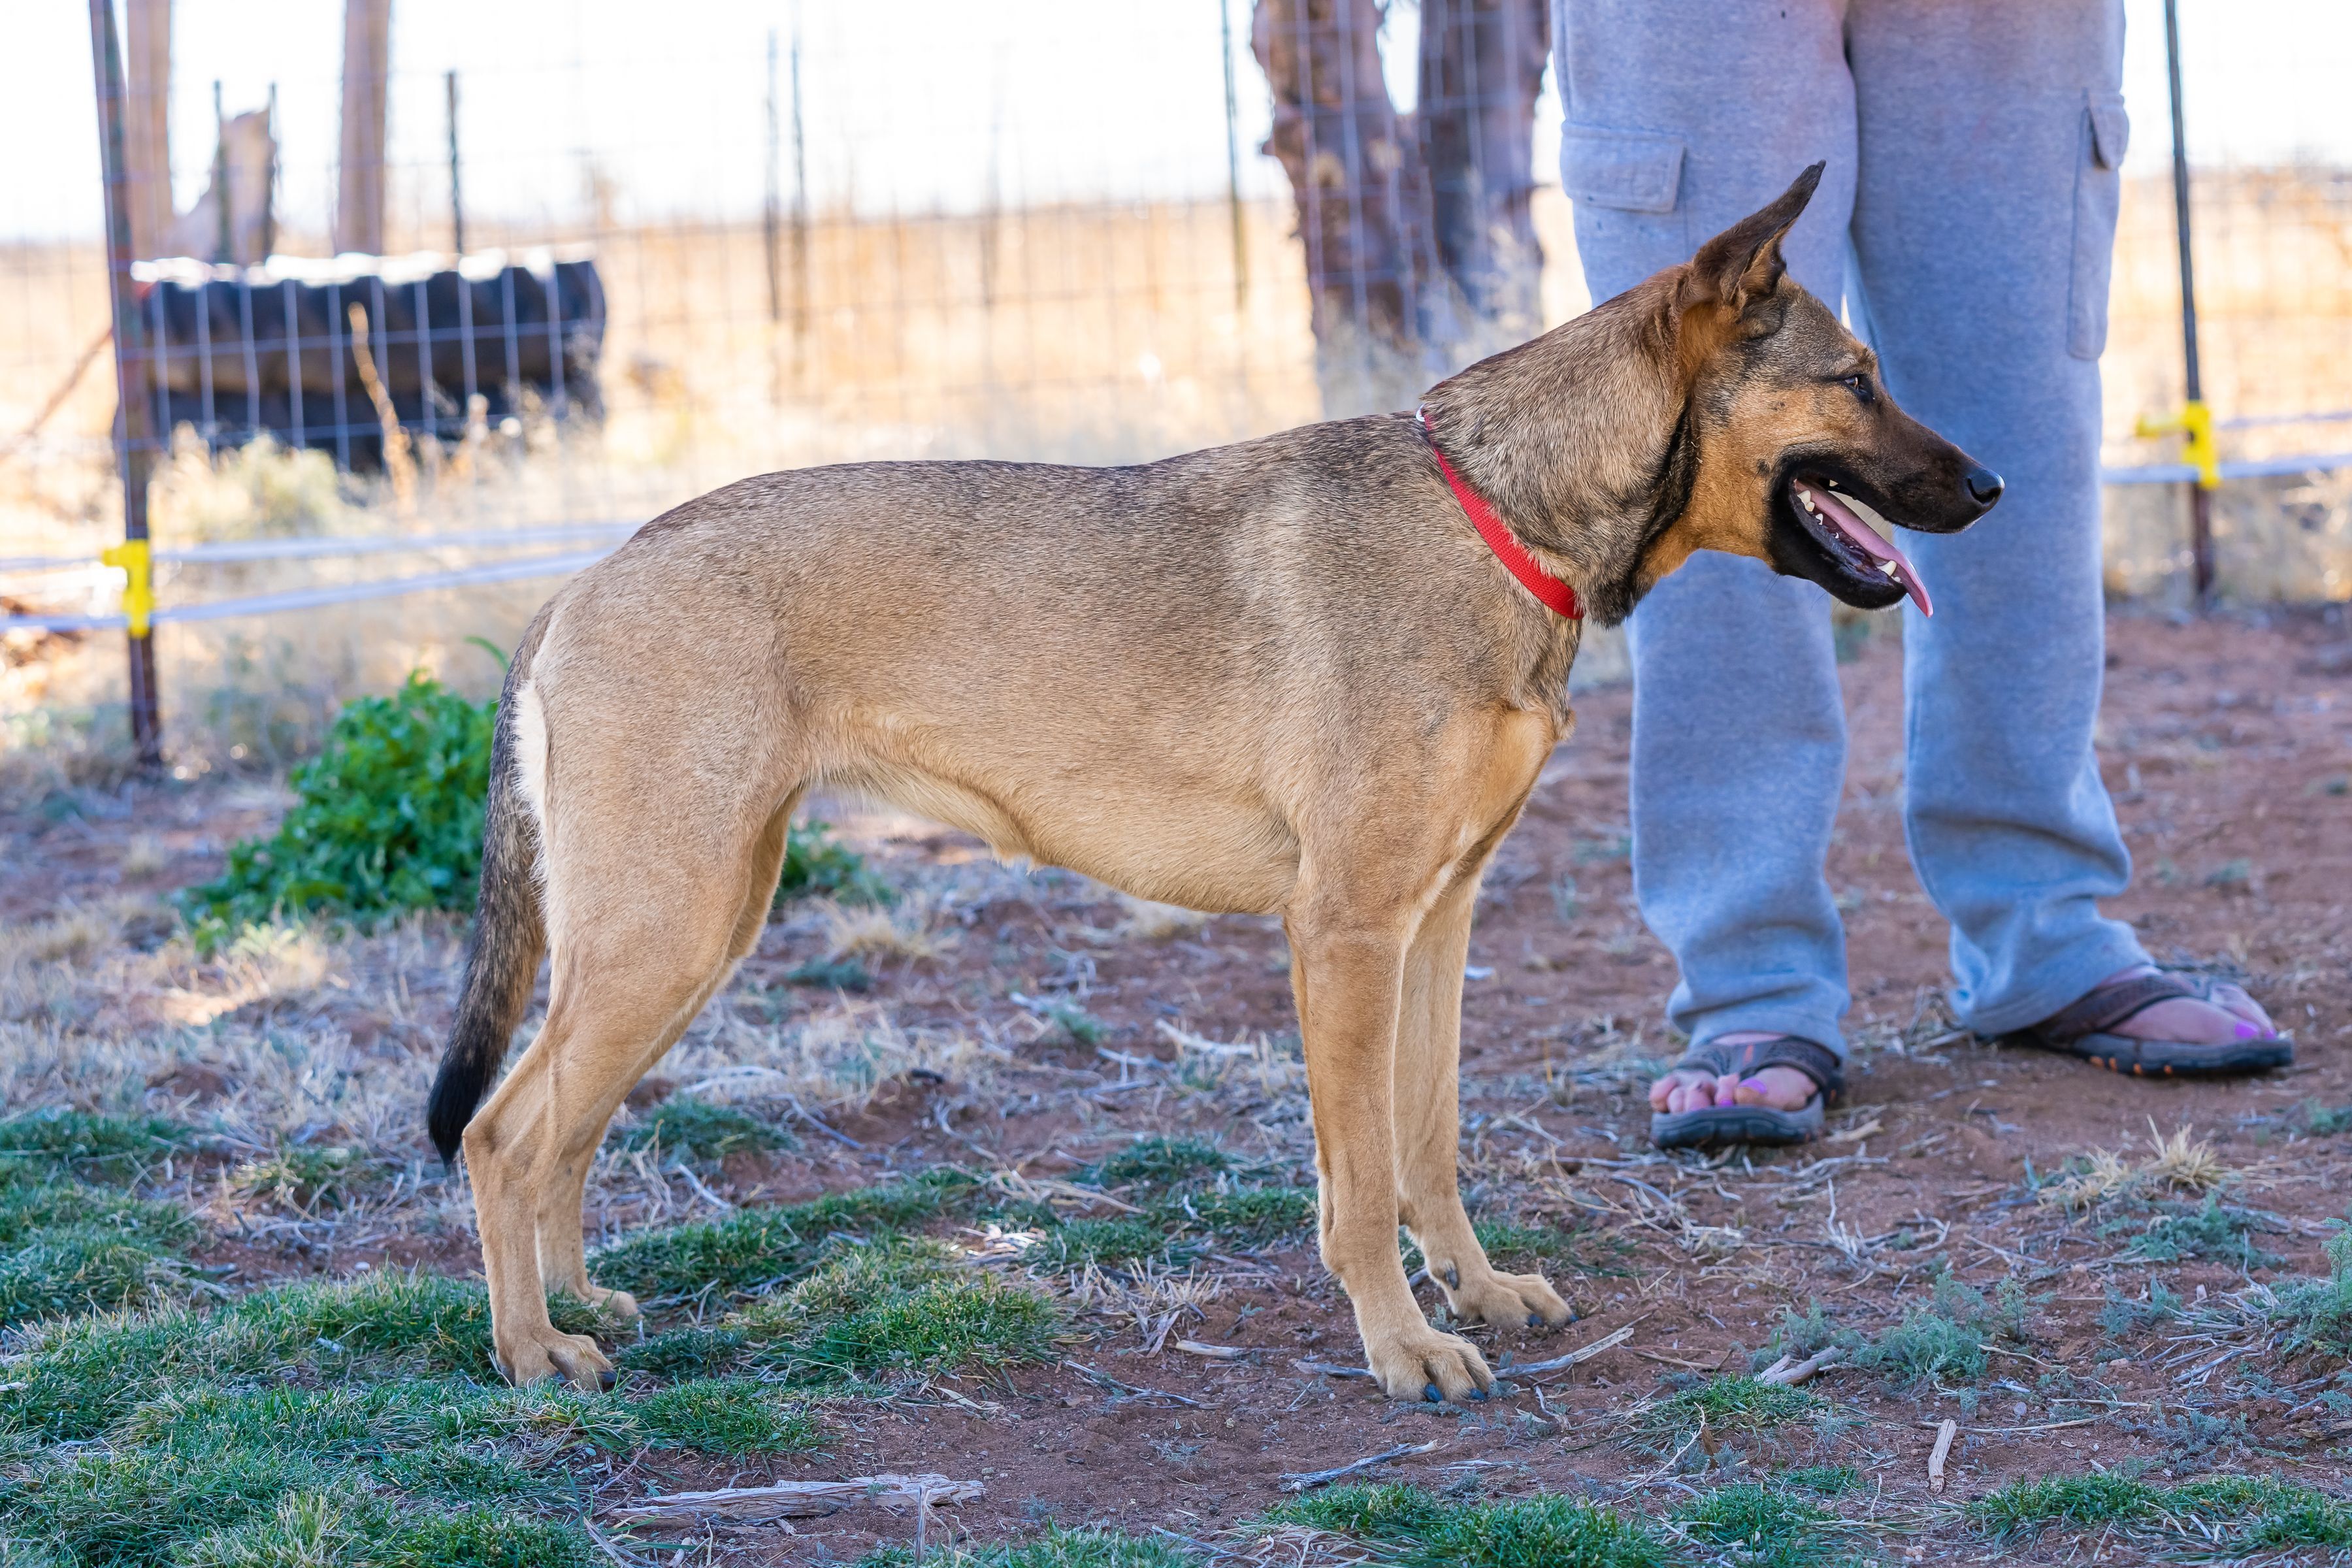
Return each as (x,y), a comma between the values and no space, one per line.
(237,351)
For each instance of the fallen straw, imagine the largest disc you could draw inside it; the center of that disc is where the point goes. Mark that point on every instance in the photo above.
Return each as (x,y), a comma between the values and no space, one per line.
(1300,1483)
(1944,1436)
(1788,1374)
(798,1499)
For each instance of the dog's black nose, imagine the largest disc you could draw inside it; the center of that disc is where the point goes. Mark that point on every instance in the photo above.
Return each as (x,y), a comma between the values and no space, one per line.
(1984,485)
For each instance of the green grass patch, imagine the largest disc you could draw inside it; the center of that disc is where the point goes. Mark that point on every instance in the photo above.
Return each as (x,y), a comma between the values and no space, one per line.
(1416,1527)
(69,1245)
(1753,1525)
(118,1149)
(725,1415)
(386,817)
(756,1250)
(1730,1407)
(1055,1549)
(899,1307)
(1821,1480)
(1158,1164)
(1244,1216)
(225,1437)
(2251,1513)
(703,1132)
(816,865)
(833,975)
(1109,1243)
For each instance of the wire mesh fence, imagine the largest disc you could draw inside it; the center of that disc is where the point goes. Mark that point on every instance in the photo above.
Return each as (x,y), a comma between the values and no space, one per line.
(1039,230)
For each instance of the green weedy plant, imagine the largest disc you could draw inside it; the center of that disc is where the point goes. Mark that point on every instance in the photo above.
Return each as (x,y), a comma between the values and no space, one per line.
(2213,1230)
(2313,1317)
(387,817)
(1944,1336)
(817,866)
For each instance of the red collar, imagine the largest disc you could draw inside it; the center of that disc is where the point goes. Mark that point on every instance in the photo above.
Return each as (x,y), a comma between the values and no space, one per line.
(1557,596)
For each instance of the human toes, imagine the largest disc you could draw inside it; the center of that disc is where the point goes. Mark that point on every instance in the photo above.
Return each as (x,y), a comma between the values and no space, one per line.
(2253,1021)
(1782,1088)
(1671,1092)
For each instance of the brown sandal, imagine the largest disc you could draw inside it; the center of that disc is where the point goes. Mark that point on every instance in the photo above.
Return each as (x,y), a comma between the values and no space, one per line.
(1713,1126)
(2082,1030)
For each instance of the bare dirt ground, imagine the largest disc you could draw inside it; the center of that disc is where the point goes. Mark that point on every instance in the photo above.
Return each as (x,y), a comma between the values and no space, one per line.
(1031,1023)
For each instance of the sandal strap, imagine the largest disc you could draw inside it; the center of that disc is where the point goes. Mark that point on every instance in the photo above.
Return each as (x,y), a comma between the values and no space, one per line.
(1816,1061)
(2103,1009)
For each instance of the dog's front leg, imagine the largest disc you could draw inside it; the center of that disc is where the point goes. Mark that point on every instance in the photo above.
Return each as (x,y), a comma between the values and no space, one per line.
(1349,978)
(1429,1130)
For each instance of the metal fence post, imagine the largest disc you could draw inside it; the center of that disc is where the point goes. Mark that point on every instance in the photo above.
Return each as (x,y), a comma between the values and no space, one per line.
(2196,419)
(134,420)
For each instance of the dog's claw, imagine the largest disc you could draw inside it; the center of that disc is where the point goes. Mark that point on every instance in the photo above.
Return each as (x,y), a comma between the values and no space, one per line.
(1479,1394)
(1535,1320)
(1433,1395)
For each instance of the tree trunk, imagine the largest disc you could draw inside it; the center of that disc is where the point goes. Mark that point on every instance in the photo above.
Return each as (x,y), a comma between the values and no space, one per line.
(1482,64)
(367,67)
(146,122)
(1362,202)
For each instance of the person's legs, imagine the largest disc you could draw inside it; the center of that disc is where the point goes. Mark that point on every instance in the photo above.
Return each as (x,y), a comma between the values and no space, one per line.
(1990,137)
(1684,116)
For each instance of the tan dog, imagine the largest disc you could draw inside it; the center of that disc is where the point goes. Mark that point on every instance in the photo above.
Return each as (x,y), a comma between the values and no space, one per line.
(1284,677)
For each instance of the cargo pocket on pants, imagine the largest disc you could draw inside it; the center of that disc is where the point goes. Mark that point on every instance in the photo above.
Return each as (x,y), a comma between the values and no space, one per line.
(1625,185)
(2098,188)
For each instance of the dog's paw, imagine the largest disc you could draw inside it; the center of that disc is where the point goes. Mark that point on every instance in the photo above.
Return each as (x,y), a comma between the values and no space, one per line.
(1508,1301)
(1420,1364)
(620,1303)
(543,1354)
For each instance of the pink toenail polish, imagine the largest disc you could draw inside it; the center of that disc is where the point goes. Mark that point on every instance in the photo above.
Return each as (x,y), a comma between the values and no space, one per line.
(1758,1084)
(2247,1031)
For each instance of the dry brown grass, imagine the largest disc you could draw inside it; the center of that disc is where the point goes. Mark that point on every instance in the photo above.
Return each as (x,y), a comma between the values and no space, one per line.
(909,929)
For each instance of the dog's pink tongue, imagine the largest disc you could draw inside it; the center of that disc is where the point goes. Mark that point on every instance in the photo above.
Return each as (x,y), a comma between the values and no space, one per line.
(1873,543)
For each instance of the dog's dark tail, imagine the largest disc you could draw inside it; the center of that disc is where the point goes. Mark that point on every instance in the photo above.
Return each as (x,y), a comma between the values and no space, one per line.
(510,932)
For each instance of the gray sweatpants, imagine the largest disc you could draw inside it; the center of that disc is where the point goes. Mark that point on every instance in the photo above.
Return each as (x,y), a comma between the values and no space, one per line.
(1972,150)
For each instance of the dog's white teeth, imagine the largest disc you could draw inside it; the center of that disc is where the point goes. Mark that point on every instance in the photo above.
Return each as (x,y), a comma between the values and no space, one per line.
(1805,499)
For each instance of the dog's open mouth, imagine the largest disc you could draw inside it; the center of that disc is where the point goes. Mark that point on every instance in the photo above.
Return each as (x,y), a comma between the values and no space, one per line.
(1835,519)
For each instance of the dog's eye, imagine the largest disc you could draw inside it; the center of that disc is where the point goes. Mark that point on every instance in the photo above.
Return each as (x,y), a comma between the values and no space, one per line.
(1860,386)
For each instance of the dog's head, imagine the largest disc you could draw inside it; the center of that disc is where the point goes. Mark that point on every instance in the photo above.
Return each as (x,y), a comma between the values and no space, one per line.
(1796,454)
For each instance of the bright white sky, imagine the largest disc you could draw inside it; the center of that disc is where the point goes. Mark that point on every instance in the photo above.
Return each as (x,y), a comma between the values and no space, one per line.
(909,105)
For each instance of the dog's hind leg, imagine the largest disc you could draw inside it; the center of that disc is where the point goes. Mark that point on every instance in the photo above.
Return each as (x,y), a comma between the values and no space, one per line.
(1429,1128)
(1349,946)
(562,1253)
(643,929)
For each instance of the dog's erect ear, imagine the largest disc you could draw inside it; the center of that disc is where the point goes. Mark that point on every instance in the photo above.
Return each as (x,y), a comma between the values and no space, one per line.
(1742,265)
